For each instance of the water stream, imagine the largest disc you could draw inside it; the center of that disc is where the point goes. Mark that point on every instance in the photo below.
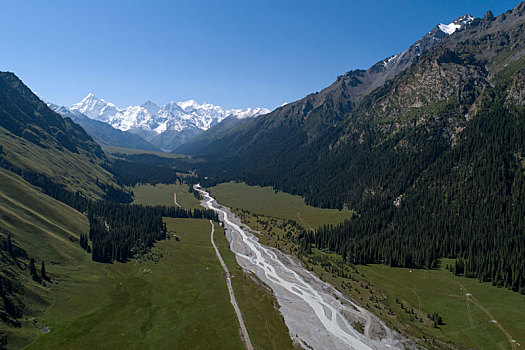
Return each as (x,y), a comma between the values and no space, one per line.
(316,314)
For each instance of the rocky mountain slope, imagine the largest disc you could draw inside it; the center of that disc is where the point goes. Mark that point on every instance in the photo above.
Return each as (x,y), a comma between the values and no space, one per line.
(434,88)
(313,115)
(218,131)
(165,126)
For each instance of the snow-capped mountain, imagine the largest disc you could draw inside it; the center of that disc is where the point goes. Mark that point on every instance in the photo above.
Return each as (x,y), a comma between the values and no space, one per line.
(391,66)
(428,41)
(102,132)
(150,120)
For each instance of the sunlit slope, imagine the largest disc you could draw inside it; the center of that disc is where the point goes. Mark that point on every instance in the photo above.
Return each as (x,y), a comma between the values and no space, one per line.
(33,138)
(49,230)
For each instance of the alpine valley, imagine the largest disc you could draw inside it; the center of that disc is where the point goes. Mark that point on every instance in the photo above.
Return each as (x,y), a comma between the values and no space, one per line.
(385,211)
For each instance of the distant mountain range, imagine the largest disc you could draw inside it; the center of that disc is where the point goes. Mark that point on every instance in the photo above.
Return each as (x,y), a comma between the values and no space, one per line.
(103,133)
(165,127)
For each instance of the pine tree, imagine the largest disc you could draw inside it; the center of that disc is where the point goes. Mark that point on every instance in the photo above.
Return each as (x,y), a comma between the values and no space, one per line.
(32,269)
(9,245)
(43,271)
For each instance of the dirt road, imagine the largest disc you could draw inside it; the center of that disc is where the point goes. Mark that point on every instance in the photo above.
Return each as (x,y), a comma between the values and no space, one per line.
(244,332)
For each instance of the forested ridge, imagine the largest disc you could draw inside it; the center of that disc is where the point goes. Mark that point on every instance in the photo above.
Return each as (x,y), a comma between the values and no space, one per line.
(467,205)
(130,173)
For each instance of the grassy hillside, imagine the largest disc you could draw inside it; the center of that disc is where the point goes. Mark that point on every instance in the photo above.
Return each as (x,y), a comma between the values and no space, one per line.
(48,231)
(266,201)
(77,171)
(33,138)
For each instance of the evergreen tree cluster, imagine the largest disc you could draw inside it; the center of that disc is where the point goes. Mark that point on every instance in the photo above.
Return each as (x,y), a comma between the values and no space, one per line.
(121,231)
(130,173)
(468,204)
(11,259)
(34,273)
(84,242)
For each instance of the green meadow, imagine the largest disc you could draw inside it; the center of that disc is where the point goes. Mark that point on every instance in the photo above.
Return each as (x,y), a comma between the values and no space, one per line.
(115,149)
(266,201)
(475,315)
(174,297)
(163,194)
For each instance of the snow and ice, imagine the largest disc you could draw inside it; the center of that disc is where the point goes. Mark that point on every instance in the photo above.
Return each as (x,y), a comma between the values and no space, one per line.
(456,24)
(153,120)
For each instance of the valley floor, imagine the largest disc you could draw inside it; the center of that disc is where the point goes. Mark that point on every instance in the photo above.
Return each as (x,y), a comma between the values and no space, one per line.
(475,315)
(175,297)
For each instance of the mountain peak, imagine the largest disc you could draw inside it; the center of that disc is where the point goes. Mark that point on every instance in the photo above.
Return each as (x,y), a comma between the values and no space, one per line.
(149,103)
(90,96)
(488,15)
(187,104)
(95,108)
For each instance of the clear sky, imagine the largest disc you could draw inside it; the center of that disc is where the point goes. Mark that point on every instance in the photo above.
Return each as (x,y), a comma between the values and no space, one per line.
(231,53)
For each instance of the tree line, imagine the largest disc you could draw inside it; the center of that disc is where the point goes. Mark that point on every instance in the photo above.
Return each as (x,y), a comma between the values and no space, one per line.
(130,173)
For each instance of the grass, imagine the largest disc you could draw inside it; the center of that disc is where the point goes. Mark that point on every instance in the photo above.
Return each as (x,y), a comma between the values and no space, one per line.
(163,194)
(467,306)
(266,201)
(175,298)
(114,149)
(46,228)
(49,231)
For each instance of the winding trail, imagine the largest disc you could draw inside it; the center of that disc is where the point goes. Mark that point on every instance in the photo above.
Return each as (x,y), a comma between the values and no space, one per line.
(304,222)
(233,300)
(317,315)
(476,302)
(175,199)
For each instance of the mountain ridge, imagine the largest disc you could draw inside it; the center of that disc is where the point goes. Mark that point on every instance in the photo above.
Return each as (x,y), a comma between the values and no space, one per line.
(104,133)
(321,111)
(35,139)
(180,120)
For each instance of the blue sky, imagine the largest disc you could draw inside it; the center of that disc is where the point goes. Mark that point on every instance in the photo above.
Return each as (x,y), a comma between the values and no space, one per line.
(230,53)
